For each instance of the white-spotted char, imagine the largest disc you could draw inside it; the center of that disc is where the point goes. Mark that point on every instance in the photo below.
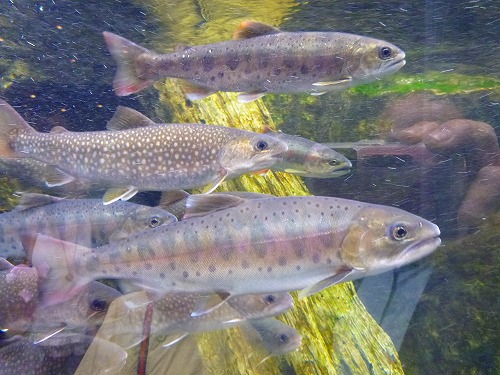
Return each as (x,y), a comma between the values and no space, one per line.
(139,154)
(261,60)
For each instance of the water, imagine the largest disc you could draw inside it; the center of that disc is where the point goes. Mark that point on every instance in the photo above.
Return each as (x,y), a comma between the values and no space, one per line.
(440,312)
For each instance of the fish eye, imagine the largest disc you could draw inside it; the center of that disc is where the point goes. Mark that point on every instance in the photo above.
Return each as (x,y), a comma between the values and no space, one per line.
(154,221)
(399,232)
(283,338)
(270,299)
(98,305)
(261,146)
(385,53)
(333,162)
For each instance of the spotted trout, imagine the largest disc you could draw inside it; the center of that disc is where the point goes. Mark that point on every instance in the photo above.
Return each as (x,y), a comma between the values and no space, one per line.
(171,315)
(260,60)
(137,154)
(84,221)
(233,246)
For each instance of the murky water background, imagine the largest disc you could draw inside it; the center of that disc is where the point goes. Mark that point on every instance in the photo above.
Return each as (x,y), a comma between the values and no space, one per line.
(441,312)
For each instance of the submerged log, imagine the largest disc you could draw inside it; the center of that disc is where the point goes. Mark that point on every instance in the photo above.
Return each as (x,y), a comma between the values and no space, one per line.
(339,335)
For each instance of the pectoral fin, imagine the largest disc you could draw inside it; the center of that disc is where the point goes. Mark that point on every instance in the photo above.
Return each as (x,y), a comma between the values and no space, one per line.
(325,283)
(113,194)
(201,205)
(206,304)
(215,184)
(248,97)
(33,200)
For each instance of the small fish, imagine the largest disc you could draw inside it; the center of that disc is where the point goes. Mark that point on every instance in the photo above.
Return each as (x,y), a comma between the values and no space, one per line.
(281,244)
(172,315)
(272,336)
(260,60)
(20,308)
(137,154)
(309,159)
(22,356)
(84,221)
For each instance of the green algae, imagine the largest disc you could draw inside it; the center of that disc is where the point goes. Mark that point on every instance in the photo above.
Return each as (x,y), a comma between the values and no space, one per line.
(459,338)
(8,197)
(439,83)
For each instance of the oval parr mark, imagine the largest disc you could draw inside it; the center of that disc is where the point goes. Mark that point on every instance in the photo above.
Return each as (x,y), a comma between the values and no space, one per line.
(233,60)
(207,63)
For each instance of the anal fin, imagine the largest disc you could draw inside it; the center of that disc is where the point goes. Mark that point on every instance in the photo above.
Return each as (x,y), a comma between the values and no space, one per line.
(248,97)
(194,91)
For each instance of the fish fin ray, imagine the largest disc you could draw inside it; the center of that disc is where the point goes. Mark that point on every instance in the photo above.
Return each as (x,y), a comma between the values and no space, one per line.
(5,265)
(114,194)
(318,93)
(325,283)
(174,339)
(201,205)
(248,97)
(58,130)
(171,197)
(128,118)
(215,184)
(11,124)
(33,200)
(57,259)
(126,53)
(206,304)
(251,29)
(53,176)
(194,91)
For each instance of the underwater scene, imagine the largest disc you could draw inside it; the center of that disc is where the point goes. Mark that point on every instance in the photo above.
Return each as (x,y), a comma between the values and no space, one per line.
(249,187)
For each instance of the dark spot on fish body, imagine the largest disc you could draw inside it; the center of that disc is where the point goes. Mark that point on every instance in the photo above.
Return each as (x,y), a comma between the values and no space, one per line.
(304,69)
(208,63)
(244,264)
(315,258)
(211,268)
(185,274)
(269,269)
(263,60)
(162,275)
(277,71)
(186,64)
(148,266)
(289,61)
(282,261)
(172,266)
(233,60)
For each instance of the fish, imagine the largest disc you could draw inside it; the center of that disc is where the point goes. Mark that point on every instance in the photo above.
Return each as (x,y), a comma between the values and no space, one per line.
(281,244)
(84,221)
(21,310)
(309,159)
(171,316)
(271,336)
(22,356)
(133,155)
(260,59)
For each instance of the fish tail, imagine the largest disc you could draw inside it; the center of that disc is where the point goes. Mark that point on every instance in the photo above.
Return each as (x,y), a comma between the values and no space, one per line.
(56,262)
(127,54)
(11,124)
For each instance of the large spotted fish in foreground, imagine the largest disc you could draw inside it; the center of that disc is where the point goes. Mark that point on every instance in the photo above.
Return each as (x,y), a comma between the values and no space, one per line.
(261,60)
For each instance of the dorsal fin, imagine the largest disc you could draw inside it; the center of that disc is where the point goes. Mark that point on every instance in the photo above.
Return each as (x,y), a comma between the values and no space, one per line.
(201,205)
(252,29)
(33,200)
(128,118)
(58,129)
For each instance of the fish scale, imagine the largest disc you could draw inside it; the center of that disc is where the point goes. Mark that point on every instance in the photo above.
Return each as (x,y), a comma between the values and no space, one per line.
(281,244)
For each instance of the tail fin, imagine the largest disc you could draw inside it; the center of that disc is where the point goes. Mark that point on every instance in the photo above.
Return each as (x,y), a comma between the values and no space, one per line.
(126,54)
(11,123)
(57,265)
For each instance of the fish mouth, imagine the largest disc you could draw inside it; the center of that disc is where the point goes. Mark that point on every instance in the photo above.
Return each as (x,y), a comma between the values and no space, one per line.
(340,172)
(421,249)
(395,65)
